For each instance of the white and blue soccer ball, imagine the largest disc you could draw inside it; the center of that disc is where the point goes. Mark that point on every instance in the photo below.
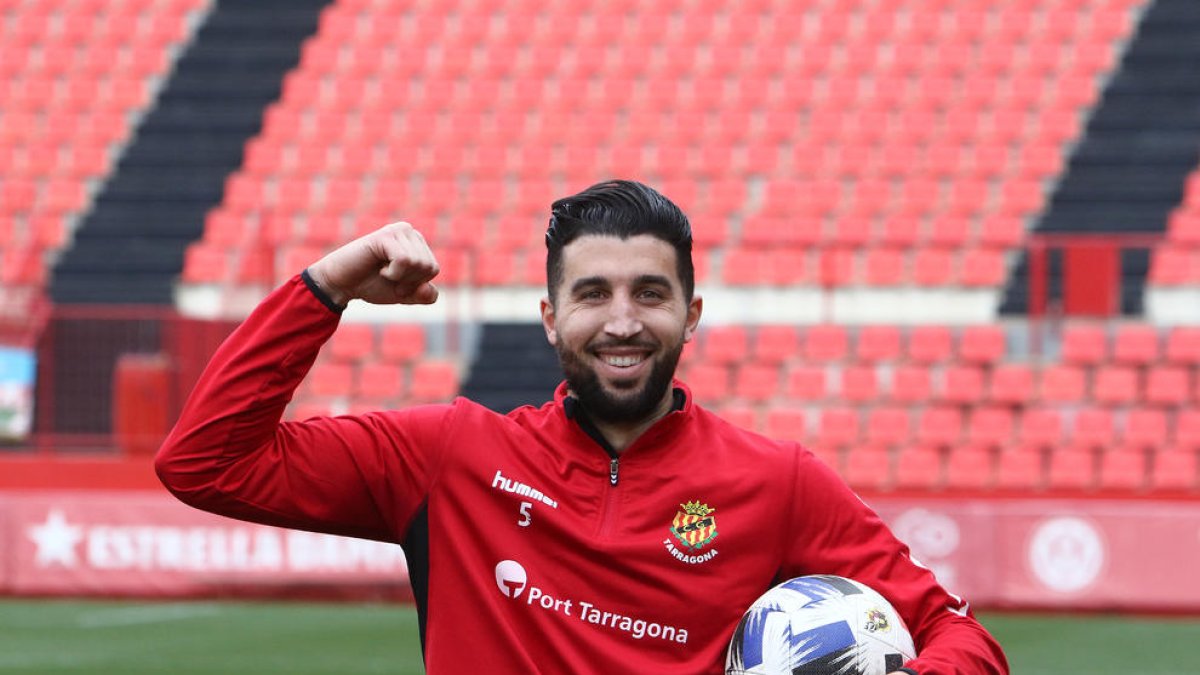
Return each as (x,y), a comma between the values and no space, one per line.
(819,625)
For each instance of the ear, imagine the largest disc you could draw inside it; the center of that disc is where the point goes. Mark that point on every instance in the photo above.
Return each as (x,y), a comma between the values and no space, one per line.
(693,317)
(547,309)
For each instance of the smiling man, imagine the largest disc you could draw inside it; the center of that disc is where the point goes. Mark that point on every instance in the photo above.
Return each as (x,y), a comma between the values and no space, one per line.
(618,528)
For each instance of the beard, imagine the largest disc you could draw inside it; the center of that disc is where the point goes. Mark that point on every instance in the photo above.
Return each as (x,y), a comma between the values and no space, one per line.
(633,405)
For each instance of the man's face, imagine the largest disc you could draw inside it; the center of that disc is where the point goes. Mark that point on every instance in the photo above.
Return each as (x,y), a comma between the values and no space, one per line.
(619,320)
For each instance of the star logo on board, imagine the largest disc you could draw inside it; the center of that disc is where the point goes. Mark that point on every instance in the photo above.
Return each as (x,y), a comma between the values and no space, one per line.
(56,540)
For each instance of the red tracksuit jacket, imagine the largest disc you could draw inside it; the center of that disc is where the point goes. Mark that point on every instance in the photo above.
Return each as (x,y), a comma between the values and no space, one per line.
(532,550)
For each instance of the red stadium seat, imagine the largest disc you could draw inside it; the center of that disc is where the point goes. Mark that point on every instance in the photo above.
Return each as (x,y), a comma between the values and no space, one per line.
(878,343)
(929,344)
(1011,383)
(1135,344)
(786,422)
(1041,427)
(756,382)
(939,426)
(1122,470)
(962,384)
(380,381)
(858,384)
(1019,468)
(1094,427)
(970,467)
(982,344)
(1146,428)
(911,384)
(888,426)
(918,467)
(868,468)
(330,379)
(433,381)
(806,383)
(1116,385)
(1084,344)
(825,343)
(837,427)
(1183,346)
(774,344)
(402,343)
(1062,384)
(1174,470)
(1167,385)
(709,382)
(353,342)
(990,426)
(1071,468)
(725,344)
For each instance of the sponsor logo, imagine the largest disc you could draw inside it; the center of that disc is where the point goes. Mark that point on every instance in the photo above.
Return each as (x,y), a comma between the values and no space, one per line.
(877,621)
(504,484)
(1066,554)
(513,580)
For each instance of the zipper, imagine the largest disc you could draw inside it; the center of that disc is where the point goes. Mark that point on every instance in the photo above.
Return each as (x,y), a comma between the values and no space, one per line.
(613,467)
(608,514)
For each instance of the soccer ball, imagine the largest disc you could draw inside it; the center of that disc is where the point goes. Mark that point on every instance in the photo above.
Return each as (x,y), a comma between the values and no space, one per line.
(819,625)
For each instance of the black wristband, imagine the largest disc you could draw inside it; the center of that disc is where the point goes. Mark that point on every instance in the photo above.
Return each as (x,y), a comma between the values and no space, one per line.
(320,293)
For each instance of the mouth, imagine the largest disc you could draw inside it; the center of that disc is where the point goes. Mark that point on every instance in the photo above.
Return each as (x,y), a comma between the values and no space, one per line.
(623,360)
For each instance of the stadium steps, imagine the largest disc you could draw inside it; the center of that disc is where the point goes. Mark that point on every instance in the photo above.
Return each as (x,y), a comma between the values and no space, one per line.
(129,248)
(514,366)
(1127,174)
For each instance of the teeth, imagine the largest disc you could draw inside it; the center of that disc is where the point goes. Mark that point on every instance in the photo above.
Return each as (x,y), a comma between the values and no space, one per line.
(623,361)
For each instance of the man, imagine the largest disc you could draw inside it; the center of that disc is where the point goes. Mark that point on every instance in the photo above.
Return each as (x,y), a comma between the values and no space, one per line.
(619,528)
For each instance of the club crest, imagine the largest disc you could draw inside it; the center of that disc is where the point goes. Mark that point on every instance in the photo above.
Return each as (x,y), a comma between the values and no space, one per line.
(694,525)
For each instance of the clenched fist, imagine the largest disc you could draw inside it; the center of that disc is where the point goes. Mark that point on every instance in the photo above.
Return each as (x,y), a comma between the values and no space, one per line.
(392,265)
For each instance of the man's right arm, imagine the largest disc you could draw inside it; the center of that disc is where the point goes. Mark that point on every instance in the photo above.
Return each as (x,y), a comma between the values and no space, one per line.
(358,476)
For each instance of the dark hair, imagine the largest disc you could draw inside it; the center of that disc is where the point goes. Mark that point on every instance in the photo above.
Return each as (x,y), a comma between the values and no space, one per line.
(619,208)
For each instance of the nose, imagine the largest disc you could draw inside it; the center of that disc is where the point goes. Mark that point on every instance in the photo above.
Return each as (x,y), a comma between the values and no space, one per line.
(623,321)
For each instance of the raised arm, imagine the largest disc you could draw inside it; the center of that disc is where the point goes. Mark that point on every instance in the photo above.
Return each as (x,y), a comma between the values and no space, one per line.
(360,476)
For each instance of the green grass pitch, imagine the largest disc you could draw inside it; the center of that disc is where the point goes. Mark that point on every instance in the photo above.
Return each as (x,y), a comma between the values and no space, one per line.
(102,637)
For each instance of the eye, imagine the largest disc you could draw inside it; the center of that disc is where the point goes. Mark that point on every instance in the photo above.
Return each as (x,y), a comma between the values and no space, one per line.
(651,294)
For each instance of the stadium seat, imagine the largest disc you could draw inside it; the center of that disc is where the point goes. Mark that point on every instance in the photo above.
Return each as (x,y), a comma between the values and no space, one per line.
(709,382)
(1062,384)
(380,381)
(868,468)
(878,344)
(918,467)
(330,379)
(837,427)
(911,384)
(1094,427)
(786,422)
(1116,385)
(1122,470)
(433,381)
(826,343)
(990,426)
(1071,468)
(1011,383)
(1040,427)
(1146,428)
(1019,468)
(775,344)
(858,384)
(1167,385)
(930,344)
(1135,344)
(726,344)
(939,425)
(402,343)
(1183,345)
(981,344)
(353,342)
(806,383)
(970,467)
(1173,470)
(888,426)
(1084,344)
(962,384)
(756,382)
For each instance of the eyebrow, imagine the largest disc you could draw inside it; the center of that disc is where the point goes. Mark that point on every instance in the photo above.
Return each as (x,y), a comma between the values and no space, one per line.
(641,280)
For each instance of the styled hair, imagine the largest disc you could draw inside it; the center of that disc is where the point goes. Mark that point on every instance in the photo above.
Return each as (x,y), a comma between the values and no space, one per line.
(624,209)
